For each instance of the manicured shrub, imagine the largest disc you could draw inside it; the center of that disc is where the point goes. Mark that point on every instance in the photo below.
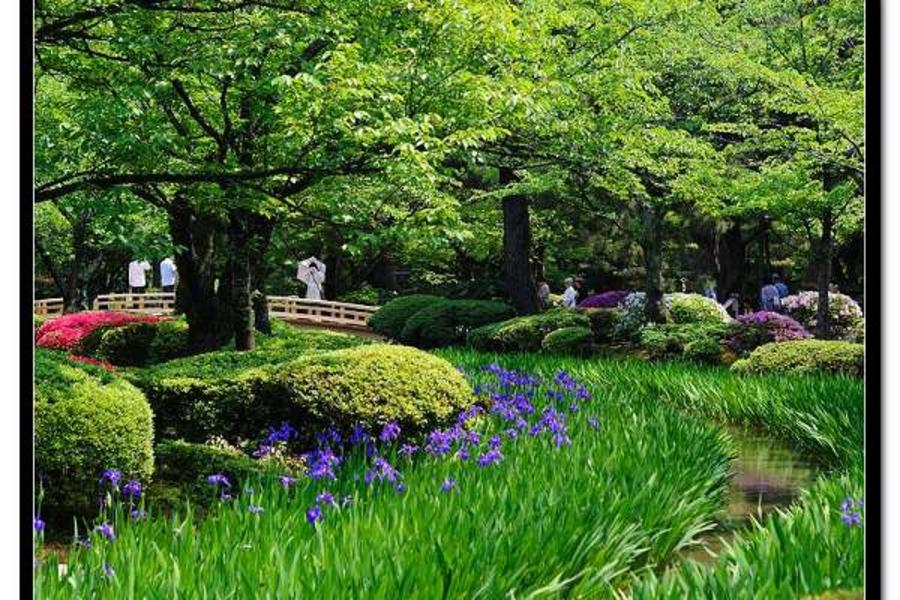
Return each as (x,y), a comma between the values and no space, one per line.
(845,314)
(604,323)
(370,384)
(805,356)
(138,344)
(695,341)
(524,334)
(694,308)
(633,316)
(86,420)
(568,340)
(390,319)
(446,323)
(38,321)
(610,299)
(67,331)
(753,330)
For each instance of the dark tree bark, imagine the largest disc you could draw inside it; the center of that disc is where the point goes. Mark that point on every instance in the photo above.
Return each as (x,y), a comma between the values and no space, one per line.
(74,297)
(517,250)
(651,222)
(239,243)
(731,257)
(384,275)
(196,297)
(823,275)
(261,228)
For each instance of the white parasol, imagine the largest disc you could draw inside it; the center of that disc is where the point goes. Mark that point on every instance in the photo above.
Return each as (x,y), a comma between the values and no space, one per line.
(312,272)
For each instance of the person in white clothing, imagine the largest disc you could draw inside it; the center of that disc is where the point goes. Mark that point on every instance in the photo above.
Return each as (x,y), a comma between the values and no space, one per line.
(311,271)
(570,296)
(137,275)
(167,272)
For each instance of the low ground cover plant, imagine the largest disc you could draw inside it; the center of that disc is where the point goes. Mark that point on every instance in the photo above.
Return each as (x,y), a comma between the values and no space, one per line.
(805,356)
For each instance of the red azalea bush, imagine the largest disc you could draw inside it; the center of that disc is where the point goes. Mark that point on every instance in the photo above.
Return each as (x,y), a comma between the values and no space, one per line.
(66,331)
(755,329)
(610,299)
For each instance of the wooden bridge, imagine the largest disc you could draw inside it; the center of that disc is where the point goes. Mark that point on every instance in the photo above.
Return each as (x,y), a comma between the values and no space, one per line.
(289,308)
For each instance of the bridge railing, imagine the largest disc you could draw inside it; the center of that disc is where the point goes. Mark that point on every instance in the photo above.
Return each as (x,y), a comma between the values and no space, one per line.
(154,303)
(49,307)
(325,312)
(290,308)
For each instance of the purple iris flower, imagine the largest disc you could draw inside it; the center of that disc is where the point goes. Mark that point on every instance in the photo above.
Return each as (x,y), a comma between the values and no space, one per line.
(218,479)
(287,481)
(448,485)
(106,530)
(132,489)
(112,476)
(489,458)
(255,509)
(313,514)
(325,498)
(39,524)
(391,431)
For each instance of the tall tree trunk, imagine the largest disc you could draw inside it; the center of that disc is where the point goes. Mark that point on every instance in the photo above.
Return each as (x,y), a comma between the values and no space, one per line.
(74,288)
(384,275)
(516,250)
(731,256)
(823,276)
(51,268)
(196,297)
(239,242)
(651,221)
(261,229)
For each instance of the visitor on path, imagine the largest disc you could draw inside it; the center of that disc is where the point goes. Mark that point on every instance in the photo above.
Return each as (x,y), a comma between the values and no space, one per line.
(570,296)
(137,275)
(312,272)
(544,295)
(579,290)
(167,273)
(769,299)
(781,286)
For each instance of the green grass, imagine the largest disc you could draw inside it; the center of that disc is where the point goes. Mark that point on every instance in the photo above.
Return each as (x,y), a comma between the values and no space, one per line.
(605,515)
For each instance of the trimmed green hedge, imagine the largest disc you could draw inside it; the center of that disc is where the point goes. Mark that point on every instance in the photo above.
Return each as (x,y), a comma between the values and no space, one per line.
(446,323)
(568,340)
(86,420)
(805,356)
(370,384)
(390,319)
(524,334)
(137,344)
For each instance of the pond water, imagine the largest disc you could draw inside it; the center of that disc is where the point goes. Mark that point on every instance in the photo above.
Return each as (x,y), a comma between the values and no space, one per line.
(767,475)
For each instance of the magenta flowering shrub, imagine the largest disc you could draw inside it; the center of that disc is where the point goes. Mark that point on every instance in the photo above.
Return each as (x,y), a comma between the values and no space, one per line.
(610,299)
(755,329)
(846,315)
(67,331)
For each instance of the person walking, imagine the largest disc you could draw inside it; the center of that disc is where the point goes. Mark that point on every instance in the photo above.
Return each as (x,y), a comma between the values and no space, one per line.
(570,296)
(137,275)
(544,295)
(167,274)
(769,299)
(780,286)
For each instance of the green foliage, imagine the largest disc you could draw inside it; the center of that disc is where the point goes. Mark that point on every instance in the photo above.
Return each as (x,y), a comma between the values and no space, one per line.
(568,340)
(805,356)
(696,341)
(446,323)
(187,466)
(38,321)
(86,420)
(390,319)
(694,308)
(364,295)
(137,344)
(524,334)
(604,323)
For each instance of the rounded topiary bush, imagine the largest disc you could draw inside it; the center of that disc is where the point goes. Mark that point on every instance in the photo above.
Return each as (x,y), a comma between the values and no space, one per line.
(371,385)
(447,322)
(805,356)
(694,308)
(846,316)
(693,341)
(68,331)
(138,344)
(86,420)
(390,319)
(524,334)
(568,340)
